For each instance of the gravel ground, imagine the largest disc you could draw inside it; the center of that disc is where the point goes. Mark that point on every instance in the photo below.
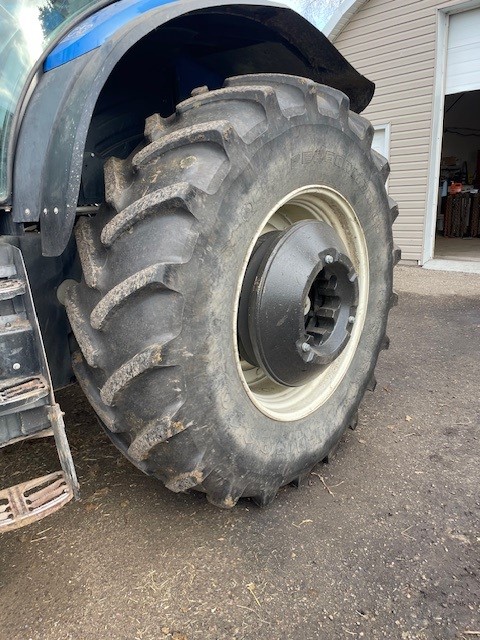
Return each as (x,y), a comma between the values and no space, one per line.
(383,542)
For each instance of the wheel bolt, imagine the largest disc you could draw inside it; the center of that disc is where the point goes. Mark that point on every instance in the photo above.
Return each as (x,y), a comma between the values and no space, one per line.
(328,259)
(351,319)
(306,347)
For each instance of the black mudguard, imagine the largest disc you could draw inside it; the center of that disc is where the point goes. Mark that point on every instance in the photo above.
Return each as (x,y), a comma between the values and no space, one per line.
(51,141)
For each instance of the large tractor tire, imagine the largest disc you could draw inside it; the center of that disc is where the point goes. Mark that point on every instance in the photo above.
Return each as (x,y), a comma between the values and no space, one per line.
(236,288)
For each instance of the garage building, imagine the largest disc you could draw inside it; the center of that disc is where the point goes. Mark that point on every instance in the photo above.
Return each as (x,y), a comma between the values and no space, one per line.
(424,57)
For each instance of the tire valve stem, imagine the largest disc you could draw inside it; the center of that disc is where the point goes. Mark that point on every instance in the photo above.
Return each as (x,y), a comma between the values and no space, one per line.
(351,319)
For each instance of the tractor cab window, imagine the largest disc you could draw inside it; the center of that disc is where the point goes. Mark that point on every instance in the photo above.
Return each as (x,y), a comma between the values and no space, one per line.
(26,28)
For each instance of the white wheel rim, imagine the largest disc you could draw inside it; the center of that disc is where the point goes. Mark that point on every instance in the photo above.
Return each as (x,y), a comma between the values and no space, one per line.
(314,202)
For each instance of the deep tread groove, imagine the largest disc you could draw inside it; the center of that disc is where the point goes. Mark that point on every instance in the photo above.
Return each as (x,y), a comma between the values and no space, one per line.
(361,128)
(217,132)
(382,165)
(183,482)
(276,80)
(159,431)
(226,497)
(156,126)
(397,255)
(118,295)
(393,209)
(88,252)
(105,414)
(332,103)
(199,90)
(353,422)
(81,328)
(116,181)
(177,195)
(262,95)
(291,91)
(140,363)
(300,480)
(266,497)
(332,453)
(372,383)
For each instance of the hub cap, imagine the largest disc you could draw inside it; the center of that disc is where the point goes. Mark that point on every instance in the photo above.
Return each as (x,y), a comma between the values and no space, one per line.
(298,302)
(301,302)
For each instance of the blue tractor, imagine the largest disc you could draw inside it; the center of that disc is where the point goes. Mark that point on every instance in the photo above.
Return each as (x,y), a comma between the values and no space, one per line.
(194,226)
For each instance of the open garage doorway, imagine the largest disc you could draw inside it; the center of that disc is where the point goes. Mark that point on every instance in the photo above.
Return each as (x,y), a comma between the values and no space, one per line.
(452,227)
(458,213)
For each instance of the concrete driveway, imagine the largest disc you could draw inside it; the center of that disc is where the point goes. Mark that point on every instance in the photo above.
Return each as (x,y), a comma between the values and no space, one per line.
(381,543)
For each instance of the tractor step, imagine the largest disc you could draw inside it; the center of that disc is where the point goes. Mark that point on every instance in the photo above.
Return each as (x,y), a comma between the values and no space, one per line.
(27,403)
(29,501)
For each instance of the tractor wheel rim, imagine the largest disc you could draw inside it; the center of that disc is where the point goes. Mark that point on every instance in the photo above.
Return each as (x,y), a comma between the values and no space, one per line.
(315,225)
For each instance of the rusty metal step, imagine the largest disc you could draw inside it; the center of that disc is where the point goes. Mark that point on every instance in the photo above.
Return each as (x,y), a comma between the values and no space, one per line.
(29,501)
(32,500)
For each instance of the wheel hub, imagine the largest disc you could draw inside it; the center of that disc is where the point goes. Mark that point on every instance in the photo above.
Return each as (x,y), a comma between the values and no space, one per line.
(298,302)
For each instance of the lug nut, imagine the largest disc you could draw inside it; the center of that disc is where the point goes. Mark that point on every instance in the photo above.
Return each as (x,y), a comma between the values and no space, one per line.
(351,319)
(328,259)
(306,347)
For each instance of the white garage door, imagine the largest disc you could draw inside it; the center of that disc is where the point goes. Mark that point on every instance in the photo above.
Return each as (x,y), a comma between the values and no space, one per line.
(463,57)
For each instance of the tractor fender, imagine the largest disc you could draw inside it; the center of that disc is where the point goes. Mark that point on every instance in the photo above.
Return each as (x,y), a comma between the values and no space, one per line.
(51,141)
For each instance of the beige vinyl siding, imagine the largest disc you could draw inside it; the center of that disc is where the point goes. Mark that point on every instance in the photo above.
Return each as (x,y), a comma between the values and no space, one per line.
(393,44)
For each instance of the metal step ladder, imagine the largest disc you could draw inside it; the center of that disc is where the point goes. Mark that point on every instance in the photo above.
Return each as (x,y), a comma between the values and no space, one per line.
(27,404)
